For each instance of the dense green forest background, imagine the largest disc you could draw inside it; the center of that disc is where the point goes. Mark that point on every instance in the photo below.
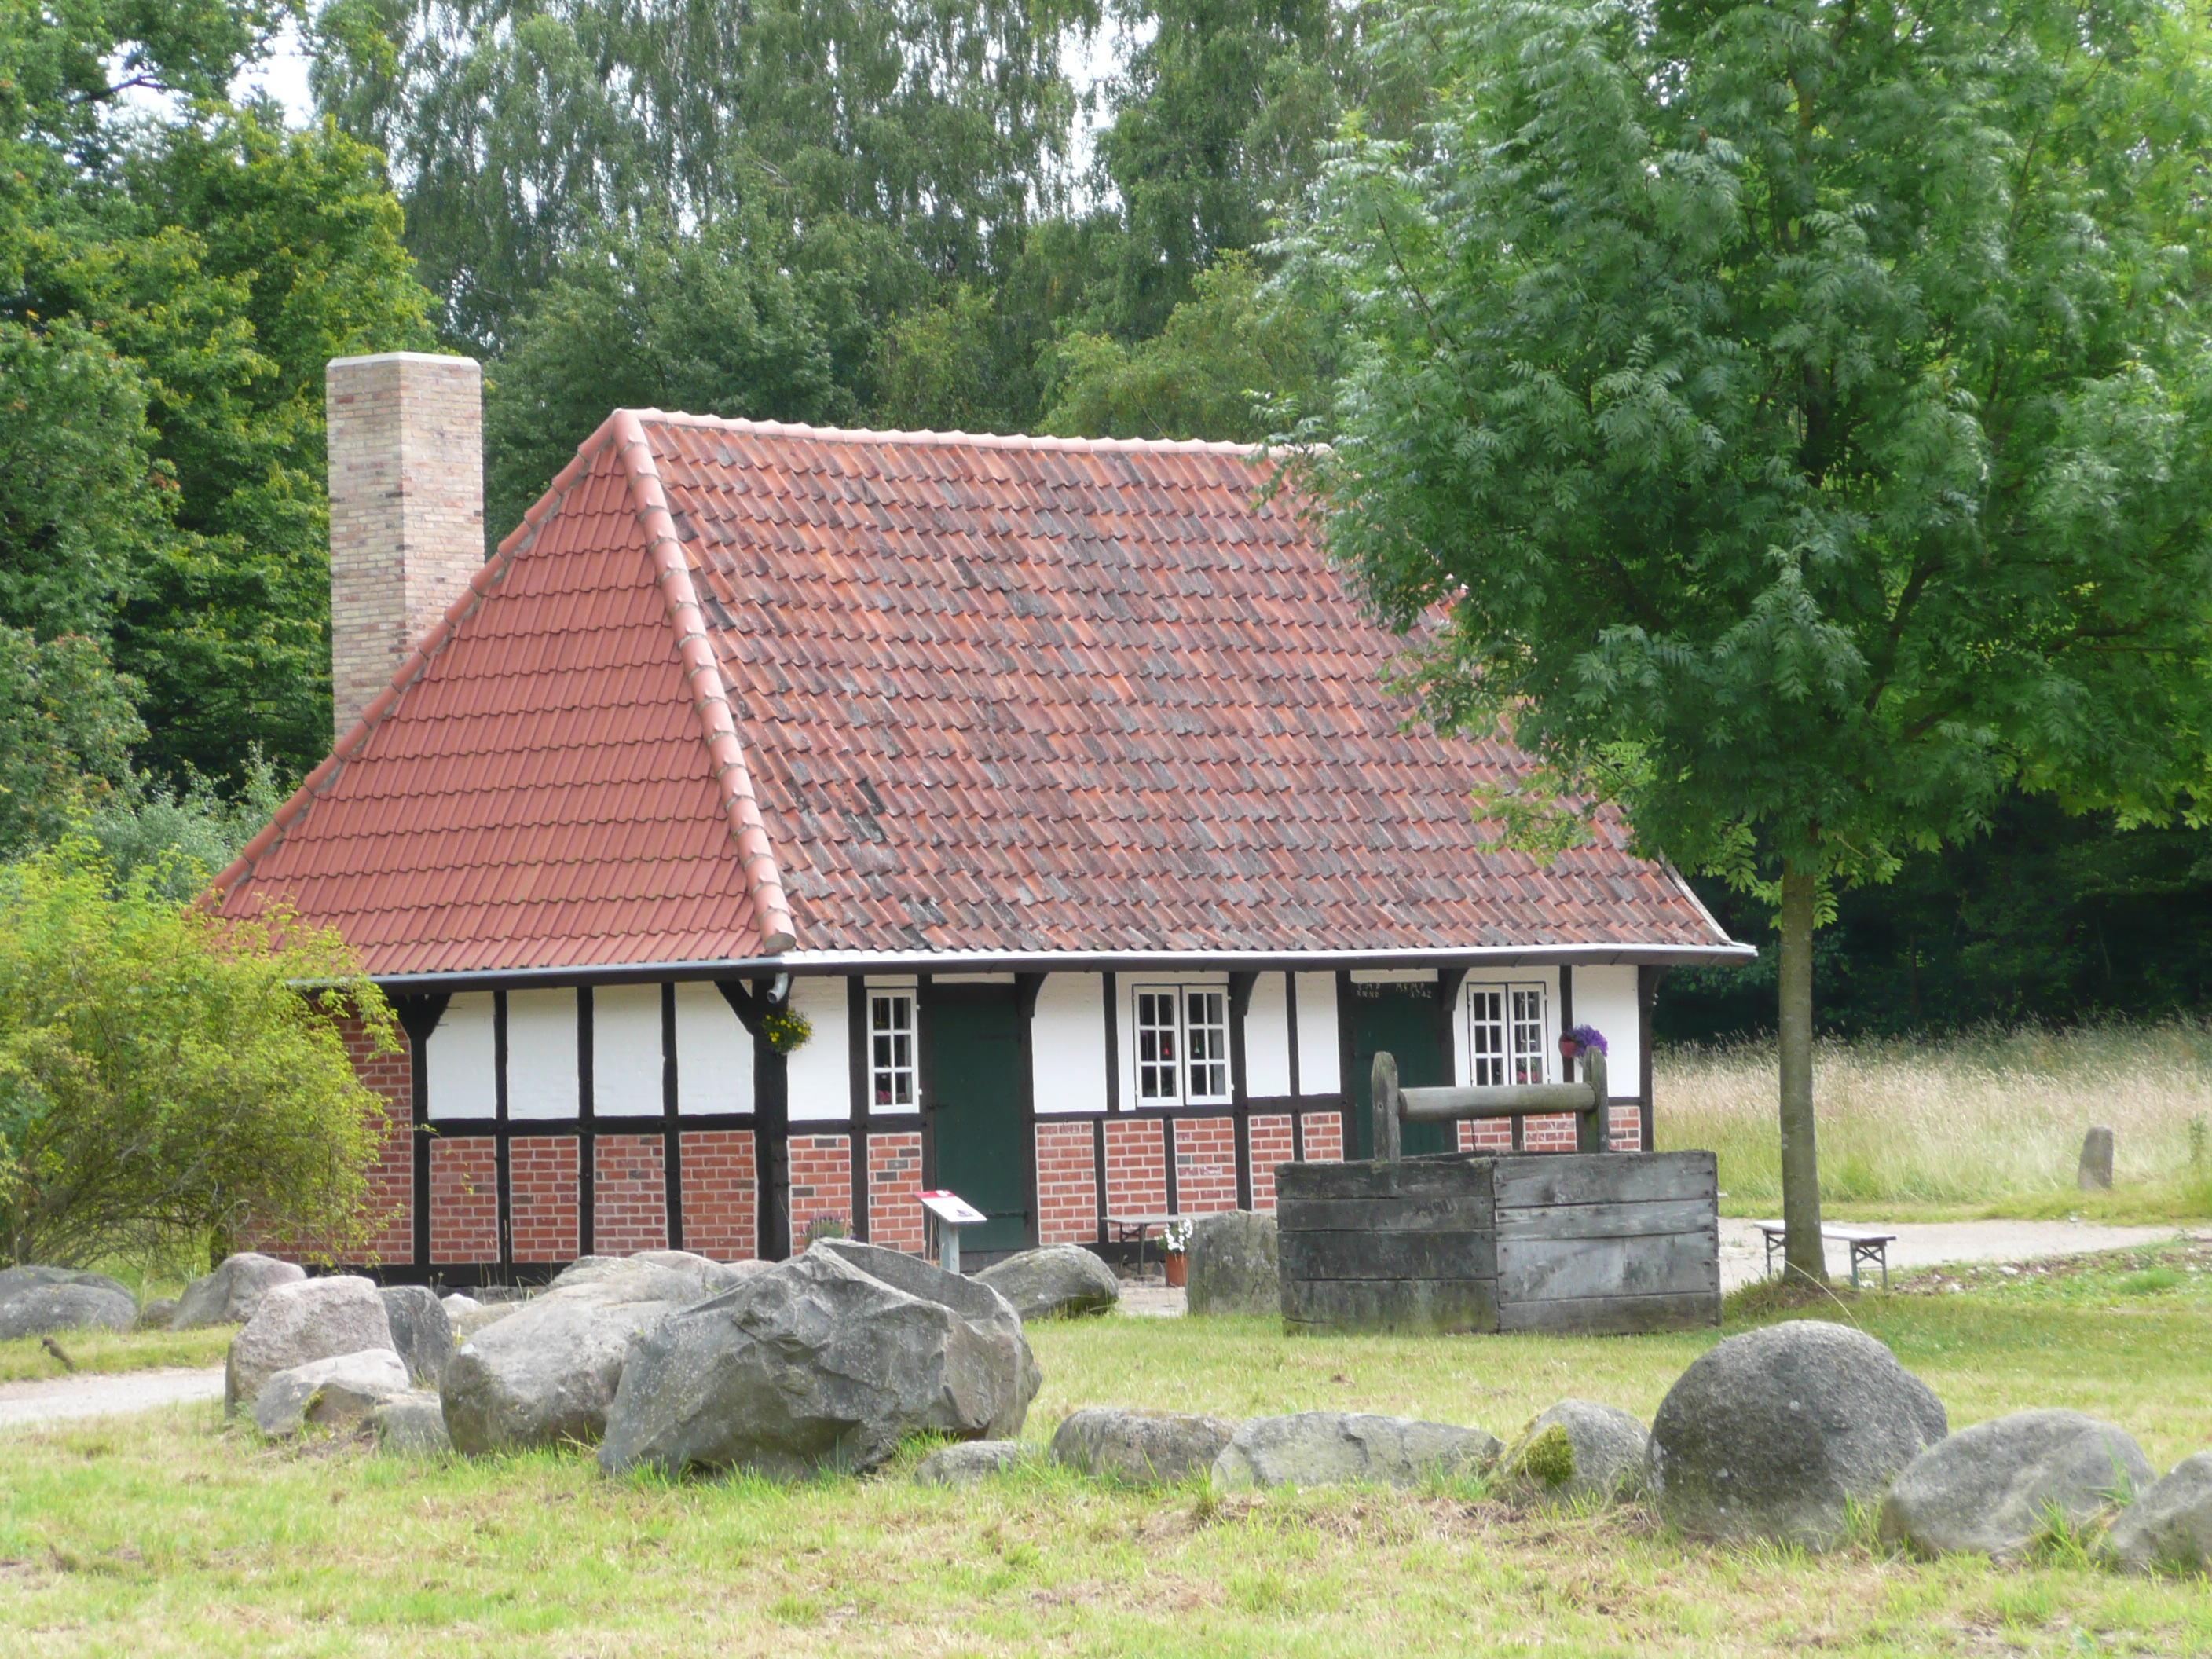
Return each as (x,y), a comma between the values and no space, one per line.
(880,212)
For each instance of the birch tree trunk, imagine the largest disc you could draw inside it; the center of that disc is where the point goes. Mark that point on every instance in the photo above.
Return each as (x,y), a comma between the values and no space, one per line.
(1801,1162)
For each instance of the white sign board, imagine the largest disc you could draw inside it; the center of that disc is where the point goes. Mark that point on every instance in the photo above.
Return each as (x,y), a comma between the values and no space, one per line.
(951,1207)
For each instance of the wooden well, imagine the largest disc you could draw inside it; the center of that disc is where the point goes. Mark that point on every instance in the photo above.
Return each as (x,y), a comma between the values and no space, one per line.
(1581,1241)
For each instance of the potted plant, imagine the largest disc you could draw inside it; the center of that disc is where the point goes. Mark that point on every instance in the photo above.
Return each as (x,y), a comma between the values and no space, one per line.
(1174,1240)
(787,1030)
(1576,1042)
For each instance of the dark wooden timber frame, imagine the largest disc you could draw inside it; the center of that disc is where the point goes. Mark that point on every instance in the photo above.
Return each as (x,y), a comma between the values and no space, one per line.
(770,1123)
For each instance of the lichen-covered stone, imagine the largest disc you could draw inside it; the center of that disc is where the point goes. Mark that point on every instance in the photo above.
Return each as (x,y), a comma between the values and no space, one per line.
(1059,1281)
(1328,1449)
(828,1360)
(1144,1448)
(301,1321)
(230,1294)
(2169,1527)
(344,1389)
(1777,1433)
(1578,1450)
(1993,1489)
(1230,1266)
(965,1464)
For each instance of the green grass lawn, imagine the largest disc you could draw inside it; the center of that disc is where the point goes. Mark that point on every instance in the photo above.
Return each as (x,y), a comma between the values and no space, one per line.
(25,1359)
(173,1534)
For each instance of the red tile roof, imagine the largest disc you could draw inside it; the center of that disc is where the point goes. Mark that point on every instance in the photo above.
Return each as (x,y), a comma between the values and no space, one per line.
(736,689)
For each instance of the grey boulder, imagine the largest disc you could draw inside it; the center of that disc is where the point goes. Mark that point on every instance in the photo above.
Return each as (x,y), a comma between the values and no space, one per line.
(301,1321)
(544,1374)
(1578,1450)
(968,1463)
(827,1360)
(35,1309)
(412,1424)
(465,1315)
(14,1280)
(661,1275)
(1230,1265)
(346,1389)
(2169,1527)
(1144,1448)
(1328,1448)
(420,1330)
(229,1295)
(156,1315)
(1775,1433)
(1059,1281)
(1993,1489)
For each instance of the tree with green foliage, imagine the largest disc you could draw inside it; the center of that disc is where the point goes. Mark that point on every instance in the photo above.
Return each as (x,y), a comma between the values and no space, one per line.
(520,133)
(1230,367)
(712,323)
(164,1077)
(66,728)
(1797,418)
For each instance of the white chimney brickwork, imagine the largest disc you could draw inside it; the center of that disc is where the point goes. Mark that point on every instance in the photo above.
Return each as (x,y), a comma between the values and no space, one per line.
(407,530)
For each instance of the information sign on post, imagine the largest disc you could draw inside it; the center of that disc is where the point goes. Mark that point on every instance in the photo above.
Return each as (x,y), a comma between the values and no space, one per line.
(951,1212)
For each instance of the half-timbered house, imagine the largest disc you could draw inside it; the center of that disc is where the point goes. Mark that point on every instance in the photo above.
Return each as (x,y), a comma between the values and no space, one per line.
(1054,784)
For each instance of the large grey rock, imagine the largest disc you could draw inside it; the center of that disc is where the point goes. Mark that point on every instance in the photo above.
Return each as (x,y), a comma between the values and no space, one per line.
(968,1463)
(1993,1489)
(13,1279)
(420,1330)
(2169,1527)
(299,1322)
(1230,1266)
(660,1275)
(1775,1433)
(229,1295)
(1143,1447)
(2095,1173)
(1326,1448)
(156,1315)
(1059,1281)
(466,1316)
(545,1374)
(37,1310)
(346,1389)
(1578,1450)
(412,1424)
(827,1360)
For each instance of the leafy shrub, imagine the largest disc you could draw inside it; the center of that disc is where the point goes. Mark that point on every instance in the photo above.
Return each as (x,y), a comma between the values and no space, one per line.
(168,1076)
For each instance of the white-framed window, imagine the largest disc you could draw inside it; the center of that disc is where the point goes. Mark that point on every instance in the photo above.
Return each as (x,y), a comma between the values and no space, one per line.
(1505,1035)
(890,1050)
(1182,1046)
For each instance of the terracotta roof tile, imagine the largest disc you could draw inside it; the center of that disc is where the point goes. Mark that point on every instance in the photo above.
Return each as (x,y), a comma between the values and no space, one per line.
(982,693)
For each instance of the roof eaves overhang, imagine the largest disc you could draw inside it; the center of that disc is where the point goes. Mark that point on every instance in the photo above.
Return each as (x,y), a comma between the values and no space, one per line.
(806,964)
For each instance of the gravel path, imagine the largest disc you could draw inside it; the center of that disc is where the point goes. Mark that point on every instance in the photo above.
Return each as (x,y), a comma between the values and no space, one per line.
(1934,1243)
(103,1395)
(1919,1244)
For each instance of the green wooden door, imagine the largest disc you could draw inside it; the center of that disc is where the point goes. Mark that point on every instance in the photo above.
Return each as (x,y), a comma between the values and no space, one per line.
(1402,1021)
(973,1034)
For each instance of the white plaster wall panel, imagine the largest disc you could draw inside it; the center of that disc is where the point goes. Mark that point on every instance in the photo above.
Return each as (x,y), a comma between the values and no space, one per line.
(821,1073)
(1320,1072)
(1605,998)
(626,1051)
(541,1053)
(461,1058)
(713,1052)
(1067,1044)
(1125,1018)
(1267,1039)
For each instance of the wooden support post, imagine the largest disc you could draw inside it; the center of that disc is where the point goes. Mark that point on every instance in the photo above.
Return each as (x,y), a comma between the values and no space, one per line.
(1591,1126)
(1384,1082)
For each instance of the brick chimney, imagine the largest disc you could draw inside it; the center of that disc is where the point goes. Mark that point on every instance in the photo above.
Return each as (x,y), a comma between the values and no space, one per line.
(407,532)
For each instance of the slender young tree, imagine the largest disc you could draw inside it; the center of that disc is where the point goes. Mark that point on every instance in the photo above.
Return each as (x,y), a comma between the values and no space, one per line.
(1792,420)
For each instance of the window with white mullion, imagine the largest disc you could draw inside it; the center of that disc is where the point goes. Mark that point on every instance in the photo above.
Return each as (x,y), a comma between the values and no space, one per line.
(1528,1034)
(890,1050)
(1505,1035)
(1486,1021)
(1206,1039)
(1159,1048)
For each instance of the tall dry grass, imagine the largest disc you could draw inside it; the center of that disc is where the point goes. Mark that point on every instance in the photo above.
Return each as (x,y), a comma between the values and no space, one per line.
(1984,1117)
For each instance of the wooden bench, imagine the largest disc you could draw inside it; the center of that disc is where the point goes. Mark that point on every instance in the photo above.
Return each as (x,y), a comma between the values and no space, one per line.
(1867,1244)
